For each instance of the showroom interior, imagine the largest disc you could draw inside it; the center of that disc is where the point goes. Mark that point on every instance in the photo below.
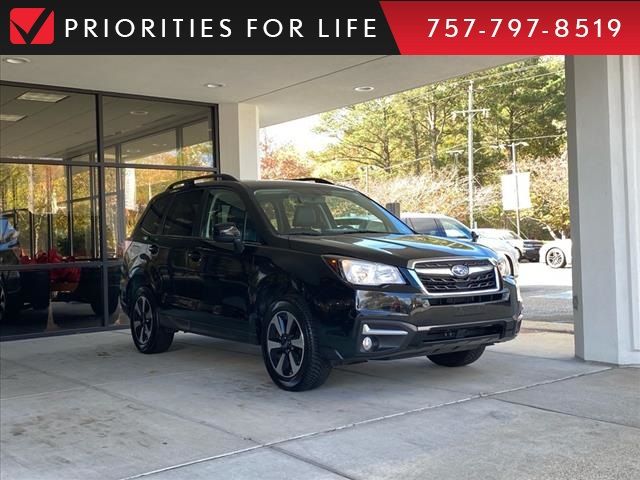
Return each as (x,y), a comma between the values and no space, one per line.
(81,164)
(82,150)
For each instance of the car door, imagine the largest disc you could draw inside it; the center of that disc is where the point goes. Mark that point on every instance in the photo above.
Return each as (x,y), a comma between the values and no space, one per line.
(224,271)
(181,291)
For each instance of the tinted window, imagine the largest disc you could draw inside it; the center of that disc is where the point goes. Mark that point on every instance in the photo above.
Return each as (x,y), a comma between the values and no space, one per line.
(153,218)
(224,206)
(182,214)
(427,226)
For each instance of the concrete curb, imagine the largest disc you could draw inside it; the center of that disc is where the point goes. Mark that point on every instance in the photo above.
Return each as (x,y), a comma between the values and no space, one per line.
(538,326)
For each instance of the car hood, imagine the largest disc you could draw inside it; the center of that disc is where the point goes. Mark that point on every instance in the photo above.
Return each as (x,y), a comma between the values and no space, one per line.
(392,249)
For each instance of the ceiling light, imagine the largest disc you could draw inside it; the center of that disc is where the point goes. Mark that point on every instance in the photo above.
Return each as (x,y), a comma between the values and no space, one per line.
(214,85)
(15,60)
(364,89)
(139,113)
(8,117)
(42,97)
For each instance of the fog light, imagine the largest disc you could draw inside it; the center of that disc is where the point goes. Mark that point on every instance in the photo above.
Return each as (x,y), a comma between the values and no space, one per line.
(367,344)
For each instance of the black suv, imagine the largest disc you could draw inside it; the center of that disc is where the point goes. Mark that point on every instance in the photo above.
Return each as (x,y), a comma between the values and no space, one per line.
(317,274)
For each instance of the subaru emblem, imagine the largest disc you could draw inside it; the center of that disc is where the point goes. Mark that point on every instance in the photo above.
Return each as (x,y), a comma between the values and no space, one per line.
(460,271)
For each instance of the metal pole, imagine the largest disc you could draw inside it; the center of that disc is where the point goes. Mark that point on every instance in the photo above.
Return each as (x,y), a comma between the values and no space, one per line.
(515,173)
(470,152)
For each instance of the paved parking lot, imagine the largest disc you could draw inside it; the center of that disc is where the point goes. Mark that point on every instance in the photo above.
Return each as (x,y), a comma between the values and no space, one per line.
(89,406)
(546,293)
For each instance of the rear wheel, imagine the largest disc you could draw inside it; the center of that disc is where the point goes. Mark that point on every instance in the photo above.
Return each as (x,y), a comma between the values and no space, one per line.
(290,347)
(147,333)
(555,258)
(3,301)
(457,359)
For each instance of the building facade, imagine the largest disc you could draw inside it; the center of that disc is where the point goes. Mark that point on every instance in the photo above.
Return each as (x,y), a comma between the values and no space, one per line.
(77,169)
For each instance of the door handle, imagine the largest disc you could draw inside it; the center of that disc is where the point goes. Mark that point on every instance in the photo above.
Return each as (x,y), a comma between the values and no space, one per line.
(153,249)
(195,255)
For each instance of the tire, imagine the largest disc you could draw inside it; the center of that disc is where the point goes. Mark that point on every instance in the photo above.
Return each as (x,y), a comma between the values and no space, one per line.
(457,359)
(147,333)
(41,292)
(3,301)
(555,258)
(96,303)
(288,325)
(519,257)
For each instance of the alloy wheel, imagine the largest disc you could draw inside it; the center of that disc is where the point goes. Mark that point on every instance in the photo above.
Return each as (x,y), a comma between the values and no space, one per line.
(142,319)
(555,258)
(285,344)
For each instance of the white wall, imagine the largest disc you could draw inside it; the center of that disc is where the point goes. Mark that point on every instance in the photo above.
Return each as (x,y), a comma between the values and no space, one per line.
(239,124)
(603,124)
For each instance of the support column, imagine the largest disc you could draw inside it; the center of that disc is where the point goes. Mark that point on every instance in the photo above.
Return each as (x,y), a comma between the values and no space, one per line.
(238,127)
(603,125)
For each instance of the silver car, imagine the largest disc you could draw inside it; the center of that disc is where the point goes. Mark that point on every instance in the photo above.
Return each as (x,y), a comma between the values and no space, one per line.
(448,227)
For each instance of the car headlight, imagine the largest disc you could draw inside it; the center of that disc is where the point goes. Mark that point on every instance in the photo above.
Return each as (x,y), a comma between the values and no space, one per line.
(503,266)
(359,272)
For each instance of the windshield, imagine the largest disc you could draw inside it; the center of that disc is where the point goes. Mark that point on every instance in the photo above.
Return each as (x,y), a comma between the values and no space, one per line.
(325,211)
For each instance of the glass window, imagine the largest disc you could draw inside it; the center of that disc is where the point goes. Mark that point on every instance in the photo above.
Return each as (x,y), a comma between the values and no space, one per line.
(46,124)
(52,226)
(151,132)
(182,214)
(455,229)
(44,301)
(128,192)
(153,218)
(311,210)
(426,226)
(269,210)
(224,206)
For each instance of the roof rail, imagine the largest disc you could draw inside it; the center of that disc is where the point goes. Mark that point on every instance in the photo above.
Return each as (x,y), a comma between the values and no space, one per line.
(313,179)
(190,182)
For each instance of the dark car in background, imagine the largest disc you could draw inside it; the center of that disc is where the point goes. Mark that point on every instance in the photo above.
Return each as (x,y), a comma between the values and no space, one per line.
(279,264)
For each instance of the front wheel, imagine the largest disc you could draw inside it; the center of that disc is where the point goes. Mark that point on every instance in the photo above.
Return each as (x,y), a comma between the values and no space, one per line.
(457,359)
(290,347)
(147,333)
(555,258)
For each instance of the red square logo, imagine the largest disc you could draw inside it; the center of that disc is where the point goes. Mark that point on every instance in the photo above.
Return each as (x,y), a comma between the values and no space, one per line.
(31,26)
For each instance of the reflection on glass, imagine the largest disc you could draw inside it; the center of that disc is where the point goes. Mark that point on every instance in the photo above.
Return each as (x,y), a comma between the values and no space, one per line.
(128,192)
(46,124)
(150,132)
(51,300)
(52,227)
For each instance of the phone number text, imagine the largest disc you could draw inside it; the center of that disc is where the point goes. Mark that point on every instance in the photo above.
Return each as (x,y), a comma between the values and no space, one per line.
(529,27)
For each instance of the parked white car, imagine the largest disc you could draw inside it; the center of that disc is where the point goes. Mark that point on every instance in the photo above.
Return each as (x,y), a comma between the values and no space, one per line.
(448,227)
(557,253)
(505,235)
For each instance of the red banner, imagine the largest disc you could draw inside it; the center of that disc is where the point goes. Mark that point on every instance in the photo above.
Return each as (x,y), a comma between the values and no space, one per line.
(516,27)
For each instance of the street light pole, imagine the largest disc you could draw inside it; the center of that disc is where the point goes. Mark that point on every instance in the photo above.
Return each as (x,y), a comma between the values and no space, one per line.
(470,113)
(470,151)
(514,168)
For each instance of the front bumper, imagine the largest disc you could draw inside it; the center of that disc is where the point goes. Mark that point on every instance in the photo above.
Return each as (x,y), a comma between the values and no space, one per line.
(402,325)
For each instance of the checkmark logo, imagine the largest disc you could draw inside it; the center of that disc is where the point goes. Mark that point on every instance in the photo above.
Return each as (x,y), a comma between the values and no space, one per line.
(31,26)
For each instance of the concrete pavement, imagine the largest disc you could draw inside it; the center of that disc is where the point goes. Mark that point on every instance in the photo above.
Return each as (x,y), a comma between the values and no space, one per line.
(547,294)
(89,406)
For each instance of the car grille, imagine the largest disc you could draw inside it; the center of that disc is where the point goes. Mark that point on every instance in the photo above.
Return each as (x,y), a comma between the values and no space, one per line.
(437,278)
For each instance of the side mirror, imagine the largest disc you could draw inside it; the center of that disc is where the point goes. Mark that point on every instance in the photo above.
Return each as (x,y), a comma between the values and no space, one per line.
(228,233)
(474,236)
